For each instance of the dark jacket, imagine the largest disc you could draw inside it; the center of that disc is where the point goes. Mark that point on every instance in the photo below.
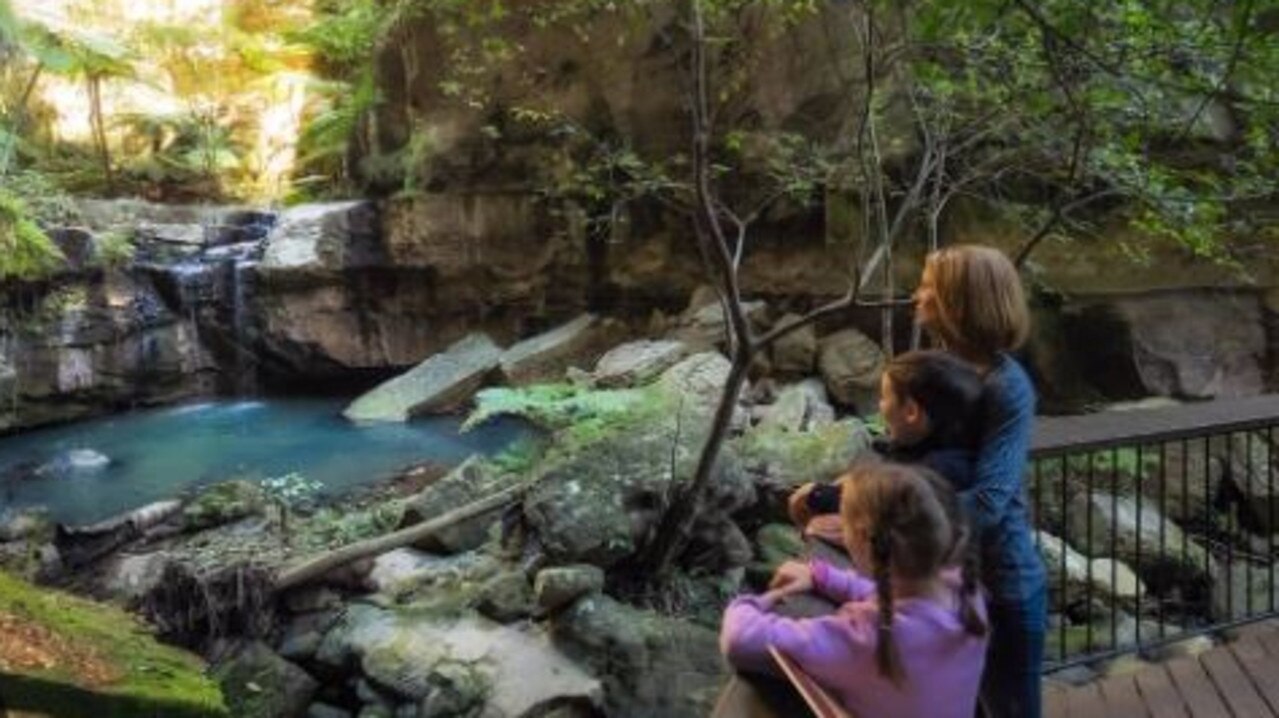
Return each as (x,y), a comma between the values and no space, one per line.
(956,464)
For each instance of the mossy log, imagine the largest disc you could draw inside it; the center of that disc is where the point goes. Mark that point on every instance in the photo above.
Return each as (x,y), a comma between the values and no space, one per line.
(323,564)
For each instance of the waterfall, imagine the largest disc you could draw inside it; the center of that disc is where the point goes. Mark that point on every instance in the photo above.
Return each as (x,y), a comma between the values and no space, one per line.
(244,379)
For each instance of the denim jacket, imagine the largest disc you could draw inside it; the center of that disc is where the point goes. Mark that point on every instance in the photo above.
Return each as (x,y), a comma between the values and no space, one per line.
(1011,567)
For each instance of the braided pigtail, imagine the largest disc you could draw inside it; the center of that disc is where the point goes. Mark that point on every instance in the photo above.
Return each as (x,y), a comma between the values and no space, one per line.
(887,658)
(968,571)
(962,552)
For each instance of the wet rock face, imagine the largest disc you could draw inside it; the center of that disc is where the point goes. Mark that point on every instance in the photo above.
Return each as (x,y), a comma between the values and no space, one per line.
(1187,344)
(352,286)
(93,344)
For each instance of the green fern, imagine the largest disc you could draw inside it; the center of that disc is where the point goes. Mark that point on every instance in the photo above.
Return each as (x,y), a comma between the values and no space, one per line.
(26,252)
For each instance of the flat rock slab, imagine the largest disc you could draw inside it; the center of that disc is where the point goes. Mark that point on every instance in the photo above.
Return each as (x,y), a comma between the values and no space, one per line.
(636,363)
(545,357)
(440,384)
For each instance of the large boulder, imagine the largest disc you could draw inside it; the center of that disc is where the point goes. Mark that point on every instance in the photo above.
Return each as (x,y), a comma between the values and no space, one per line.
(559,586)
(1074,578)
(471,481)
(342,287)
(259,684)
(705,326)
(799,407)
(1191,344)
(795,353)
(440,384)
(130,577)
(698,382)
(404,567)
(465,664)
(651,665)
(322,238)
(1247,463)
(1119,527)
(636,363)
(778,460)
(600,502)
(850,363)
(545,357)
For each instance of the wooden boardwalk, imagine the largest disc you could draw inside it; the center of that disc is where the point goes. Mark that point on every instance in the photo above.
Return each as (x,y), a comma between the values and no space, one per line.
(1239,679)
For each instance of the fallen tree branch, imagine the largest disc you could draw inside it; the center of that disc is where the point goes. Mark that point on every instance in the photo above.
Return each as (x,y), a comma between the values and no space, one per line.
(325,563)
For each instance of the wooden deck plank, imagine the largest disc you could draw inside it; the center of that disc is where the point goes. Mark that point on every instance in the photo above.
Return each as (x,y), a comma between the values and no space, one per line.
(1160,695)
(1196,689)
(1261,667)
(1234,684)
(1270,642)
(1055,698)
(1085,702)
(1122,699)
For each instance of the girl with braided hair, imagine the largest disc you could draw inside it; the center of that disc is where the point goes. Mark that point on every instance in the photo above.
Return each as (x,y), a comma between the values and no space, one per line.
(909,637)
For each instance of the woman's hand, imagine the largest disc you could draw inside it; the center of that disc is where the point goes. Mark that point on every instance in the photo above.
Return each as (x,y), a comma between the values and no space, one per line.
(791,577)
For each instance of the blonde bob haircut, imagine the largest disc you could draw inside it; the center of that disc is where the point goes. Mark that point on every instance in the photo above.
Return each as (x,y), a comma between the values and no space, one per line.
(981,307)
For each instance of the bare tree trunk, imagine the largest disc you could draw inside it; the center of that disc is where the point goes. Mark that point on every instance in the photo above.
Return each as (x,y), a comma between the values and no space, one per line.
(676,528)
(99,129)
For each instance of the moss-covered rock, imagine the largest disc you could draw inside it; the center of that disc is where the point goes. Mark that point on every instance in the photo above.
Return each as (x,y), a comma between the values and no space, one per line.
(473,480)
(650,664)
(70,657)
(223,503)
(458,663)
(780,460)
(259,684)
(506,597)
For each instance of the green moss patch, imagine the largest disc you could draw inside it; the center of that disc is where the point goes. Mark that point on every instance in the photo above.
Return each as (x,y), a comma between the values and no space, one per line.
(79,658)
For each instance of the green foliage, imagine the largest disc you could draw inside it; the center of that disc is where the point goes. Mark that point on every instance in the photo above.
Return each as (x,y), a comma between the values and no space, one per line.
(344,33)
(1165,111)
(577,416)
(114,249)
(416,157)
(519,457)
(46,202)
(343,37)
(325,140)
(332,527)
(26,252)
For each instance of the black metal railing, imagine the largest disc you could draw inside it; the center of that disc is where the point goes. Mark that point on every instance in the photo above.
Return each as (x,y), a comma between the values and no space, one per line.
(1156,525)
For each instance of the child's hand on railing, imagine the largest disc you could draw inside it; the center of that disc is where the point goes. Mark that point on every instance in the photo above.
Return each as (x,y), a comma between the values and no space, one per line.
(792,577)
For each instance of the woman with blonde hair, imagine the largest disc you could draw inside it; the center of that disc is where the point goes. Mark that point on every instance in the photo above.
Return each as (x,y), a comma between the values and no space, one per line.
(971,301)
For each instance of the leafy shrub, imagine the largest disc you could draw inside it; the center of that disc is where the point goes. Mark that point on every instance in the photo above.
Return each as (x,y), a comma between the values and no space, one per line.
(26,252)
(47,202)
(114,249)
